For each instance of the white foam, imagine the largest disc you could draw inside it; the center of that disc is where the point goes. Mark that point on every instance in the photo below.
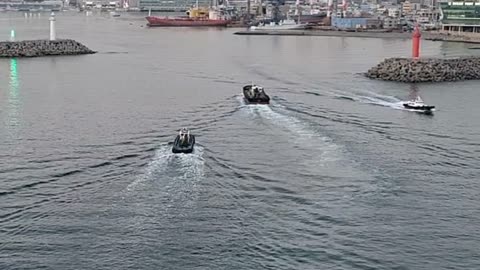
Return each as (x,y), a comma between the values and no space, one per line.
(167,188)
(377,99)
(158,164)
(188,165)
(251,108)
(301,133)
(191,165)
(179,185)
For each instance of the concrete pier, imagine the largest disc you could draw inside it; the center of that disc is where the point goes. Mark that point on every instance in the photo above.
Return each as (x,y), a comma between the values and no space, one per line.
(431,35)
(365,34)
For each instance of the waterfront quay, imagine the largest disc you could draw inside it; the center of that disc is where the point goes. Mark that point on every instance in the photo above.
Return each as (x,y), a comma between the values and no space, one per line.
(427,35)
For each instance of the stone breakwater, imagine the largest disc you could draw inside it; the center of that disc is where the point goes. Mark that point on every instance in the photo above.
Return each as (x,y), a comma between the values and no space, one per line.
(426,70)
(36,48)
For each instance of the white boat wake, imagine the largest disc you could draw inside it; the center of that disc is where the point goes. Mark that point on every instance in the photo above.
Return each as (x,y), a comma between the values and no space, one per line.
(169,166)
(301,133)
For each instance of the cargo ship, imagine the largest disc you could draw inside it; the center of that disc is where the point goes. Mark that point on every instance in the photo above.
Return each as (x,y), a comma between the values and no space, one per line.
(196,17)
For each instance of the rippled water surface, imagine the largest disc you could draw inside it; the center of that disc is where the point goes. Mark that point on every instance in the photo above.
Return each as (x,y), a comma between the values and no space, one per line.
(333,174)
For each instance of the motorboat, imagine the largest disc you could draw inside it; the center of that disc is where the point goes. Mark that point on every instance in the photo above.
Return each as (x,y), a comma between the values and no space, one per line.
(255,94)
(184,142)
(418,104)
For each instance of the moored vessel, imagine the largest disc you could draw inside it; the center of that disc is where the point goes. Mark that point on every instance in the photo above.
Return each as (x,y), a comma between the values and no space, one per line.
(196,17)
(287,24)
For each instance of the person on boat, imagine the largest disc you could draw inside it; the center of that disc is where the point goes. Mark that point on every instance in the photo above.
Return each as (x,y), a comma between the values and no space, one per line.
(184,136)
(255,92)
(260,91)
(252,90)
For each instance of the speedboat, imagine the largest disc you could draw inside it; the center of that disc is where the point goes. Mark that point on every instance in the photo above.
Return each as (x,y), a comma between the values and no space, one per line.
(255,94)
(417,104)
(184,142)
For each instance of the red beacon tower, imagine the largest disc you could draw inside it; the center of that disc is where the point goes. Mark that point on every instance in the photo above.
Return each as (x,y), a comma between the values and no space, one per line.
(416,42)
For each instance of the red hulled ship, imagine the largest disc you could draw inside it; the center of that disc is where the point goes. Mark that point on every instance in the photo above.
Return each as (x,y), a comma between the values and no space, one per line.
(159,21)
(196,17)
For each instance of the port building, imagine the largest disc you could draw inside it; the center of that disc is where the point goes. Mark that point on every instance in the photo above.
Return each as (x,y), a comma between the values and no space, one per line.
(20,5)
(460,16)
(171,5)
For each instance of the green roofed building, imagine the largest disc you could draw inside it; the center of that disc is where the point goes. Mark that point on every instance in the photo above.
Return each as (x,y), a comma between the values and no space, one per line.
(461,16)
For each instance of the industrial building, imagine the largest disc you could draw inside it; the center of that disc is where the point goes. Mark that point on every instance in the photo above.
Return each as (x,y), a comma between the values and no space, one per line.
(356,23)
(181,5)
(170,5)
(391,23)
(461,16)
(19,5)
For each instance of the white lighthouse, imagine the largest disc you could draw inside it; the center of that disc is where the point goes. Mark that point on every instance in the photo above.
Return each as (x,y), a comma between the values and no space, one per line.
(52,26)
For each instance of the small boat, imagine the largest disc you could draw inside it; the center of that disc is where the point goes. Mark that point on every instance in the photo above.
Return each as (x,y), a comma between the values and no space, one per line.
(417,104)
(184,142)
(255,94)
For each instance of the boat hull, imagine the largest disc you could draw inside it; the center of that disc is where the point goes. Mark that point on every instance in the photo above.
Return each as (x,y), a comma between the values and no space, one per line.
(421,108)
(186,149)
(250,101)
(280,27)
(262,99)
(184,22)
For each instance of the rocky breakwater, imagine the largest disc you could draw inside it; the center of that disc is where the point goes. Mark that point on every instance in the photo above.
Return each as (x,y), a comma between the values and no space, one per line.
(36,48)
(426,70)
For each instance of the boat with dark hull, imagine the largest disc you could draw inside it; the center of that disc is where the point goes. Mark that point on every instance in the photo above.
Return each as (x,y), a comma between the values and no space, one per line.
(184,142)
(417,104)
(255,94)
